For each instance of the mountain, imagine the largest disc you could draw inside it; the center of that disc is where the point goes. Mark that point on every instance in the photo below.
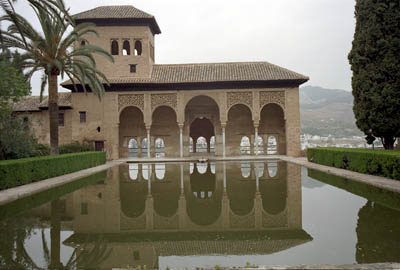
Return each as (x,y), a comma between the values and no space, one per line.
(327,112)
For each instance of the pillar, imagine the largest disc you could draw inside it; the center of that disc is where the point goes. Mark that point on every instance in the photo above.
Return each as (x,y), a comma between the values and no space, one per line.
(256,139)
(148,142)
(139,143)
(181,140)
(223,125)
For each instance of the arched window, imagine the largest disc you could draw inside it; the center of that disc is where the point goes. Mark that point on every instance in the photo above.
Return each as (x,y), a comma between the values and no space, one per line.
(245,167)
(201,145)
(212,167)
(272,168)
(133,171)
(202,168)
(245,146)
(146,171)
(212,144)
(138,48)
(259,169)
(190,145)
(160,147)
(160,171)
(259,145)
(83,43)
(272,146)
(126,48)
(133,148)
(114,47)
(144,147)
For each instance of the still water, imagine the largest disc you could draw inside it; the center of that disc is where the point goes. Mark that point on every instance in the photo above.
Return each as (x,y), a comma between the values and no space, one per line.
(188,215)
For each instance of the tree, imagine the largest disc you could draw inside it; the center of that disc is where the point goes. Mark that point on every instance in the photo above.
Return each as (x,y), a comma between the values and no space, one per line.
(375,62)
(51,51)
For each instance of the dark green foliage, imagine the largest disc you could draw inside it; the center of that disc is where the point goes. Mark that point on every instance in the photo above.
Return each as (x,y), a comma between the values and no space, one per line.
(76,147)
(376,162)
(16,141)
(384,197)
(24,171)
(375,62)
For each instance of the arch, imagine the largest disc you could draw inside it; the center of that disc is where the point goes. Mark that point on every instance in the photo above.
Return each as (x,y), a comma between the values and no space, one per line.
(202,167)
(83,43)
(259,169)
(212,167)
(133,171)
(240,104)
(212,144)
(274,195)
(259,145)
(238,126)
(126,47)
(204,97)
(272,168)
(144,147)
(272,121)
(114,47)
(146,171)
(191,145)
(159,146)
(201,145)
(159,170)
(164,126)
(132,194)
(131,126)
(241,193)
(245,146)
(272,145)
(203,199)
(133,148)
(245,168)
(138,48)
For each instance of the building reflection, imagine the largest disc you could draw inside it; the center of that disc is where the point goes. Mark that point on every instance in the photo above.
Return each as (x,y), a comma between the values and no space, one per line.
(149,210)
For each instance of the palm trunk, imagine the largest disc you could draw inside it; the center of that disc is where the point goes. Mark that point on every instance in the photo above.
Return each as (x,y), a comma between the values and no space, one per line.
(55,234)
(53,113)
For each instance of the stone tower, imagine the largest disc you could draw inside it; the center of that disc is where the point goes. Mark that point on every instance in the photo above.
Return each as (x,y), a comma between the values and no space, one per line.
(128,34)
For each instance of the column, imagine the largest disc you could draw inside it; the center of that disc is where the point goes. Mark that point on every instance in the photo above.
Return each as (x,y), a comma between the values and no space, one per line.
(181,139)
(256,139)
(182,182)
(224,165)
(223,125)
(148,142)
(139,144)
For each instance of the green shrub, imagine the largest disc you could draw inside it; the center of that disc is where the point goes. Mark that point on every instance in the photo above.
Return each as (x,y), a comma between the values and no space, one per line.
(76,147)
(377,162)
(24,171)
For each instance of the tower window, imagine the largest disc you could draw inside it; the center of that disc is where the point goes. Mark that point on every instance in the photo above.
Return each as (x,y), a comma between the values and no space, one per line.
(82,117)
(133,68)
(114,47)
(126,48)
(138,48)
(83,43)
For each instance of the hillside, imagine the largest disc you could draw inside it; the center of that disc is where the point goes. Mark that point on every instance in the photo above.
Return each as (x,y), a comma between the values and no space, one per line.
(327,111)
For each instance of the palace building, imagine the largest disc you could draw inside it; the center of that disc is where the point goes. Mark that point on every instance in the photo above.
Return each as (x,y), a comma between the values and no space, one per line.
(223,109)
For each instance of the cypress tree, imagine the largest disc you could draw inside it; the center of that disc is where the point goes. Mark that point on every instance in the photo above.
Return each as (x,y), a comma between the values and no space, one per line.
(375,62)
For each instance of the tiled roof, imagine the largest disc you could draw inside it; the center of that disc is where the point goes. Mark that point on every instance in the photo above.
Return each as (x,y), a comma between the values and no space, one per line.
(64,100)
(32,103)
(113,12)
(118,13)
(213,72)
(27,104)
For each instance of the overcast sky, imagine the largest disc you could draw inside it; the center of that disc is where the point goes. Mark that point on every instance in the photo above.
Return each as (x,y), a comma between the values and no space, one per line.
(311,37)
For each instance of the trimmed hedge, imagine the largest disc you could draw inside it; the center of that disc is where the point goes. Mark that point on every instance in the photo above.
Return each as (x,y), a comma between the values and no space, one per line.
(27,170)
(376,162)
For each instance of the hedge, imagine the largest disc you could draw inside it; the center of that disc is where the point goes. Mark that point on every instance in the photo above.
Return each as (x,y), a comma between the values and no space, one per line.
(27,170)
(384,163)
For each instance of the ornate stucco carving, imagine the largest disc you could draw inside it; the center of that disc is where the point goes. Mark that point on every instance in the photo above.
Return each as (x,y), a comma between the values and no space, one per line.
(130,100)
(164,99)
(277,97)
(239,98)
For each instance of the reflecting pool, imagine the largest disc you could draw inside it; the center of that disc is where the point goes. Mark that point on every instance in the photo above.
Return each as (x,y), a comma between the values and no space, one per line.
(188,215)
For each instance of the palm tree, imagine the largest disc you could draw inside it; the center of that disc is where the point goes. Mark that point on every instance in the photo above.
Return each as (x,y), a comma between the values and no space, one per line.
(53,53)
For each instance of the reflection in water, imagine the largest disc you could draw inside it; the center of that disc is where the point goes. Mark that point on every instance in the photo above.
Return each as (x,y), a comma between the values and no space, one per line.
(378,234)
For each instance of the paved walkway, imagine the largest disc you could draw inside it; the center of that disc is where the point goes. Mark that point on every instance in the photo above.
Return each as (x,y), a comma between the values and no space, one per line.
(12,194)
